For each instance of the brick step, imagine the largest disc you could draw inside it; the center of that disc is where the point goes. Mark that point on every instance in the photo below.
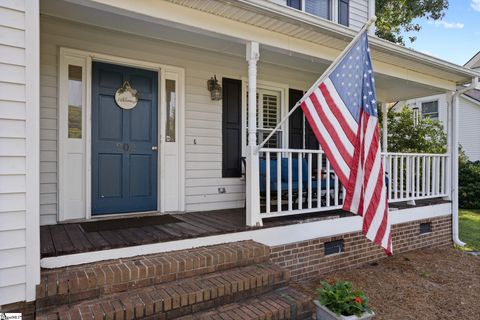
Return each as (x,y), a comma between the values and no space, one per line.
(72,284)
(284,303)
(177,298)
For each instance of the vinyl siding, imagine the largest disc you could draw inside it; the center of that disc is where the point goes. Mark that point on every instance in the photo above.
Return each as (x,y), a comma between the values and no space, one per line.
(203,117)
(469,137)
(358,13)
(12,152)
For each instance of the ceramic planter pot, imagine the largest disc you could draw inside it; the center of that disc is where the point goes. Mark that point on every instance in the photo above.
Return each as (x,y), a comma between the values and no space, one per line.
(325,314)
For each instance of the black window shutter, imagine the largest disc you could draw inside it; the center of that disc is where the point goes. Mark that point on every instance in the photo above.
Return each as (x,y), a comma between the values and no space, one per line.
(343,9)
(232,128)
(295,124)
(297,4)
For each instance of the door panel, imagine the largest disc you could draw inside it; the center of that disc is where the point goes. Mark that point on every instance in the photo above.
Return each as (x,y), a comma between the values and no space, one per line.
(124,166)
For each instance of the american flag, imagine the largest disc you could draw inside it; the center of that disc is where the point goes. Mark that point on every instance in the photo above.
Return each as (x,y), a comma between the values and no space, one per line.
(342,112)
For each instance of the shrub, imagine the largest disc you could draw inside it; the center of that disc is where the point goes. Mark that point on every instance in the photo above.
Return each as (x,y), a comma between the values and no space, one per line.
(341,299)
(469,182)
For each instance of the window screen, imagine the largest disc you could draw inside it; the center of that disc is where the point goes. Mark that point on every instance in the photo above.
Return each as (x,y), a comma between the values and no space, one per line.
(430,110)
(319,8)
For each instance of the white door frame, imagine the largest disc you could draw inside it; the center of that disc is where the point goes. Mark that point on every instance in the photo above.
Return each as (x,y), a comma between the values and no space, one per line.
(162,70)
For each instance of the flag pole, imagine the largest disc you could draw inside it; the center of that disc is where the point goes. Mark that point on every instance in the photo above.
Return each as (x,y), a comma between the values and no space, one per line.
(322,77)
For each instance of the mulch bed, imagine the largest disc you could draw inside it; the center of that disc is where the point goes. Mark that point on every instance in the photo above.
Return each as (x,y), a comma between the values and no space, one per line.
(439,283)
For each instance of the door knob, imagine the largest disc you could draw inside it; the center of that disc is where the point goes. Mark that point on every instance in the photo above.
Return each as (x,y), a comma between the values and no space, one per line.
(154,148)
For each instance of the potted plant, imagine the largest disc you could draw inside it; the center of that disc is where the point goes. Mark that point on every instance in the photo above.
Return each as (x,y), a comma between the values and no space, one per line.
(338,301)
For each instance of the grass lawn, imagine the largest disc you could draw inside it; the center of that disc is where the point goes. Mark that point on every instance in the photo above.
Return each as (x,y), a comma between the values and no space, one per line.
(469,223)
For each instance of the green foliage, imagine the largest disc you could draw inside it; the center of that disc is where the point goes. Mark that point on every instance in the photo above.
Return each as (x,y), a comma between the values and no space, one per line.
(426,136)
(341,299)
(469,223)
(469,182)
(393,16)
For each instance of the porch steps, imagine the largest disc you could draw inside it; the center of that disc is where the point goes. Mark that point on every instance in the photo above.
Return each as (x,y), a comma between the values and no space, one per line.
(284,303)
(77,283)
(207,282)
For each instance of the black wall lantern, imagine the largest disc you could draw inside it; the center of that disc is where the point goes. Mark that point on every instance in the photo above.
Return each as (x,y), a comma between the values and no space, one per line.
(214,88)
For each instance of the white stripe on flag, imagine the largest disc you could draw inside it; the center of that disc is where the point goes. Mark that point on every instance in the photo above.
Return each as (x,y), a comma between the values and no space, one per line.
(378,217)
(334,121)
(324,132)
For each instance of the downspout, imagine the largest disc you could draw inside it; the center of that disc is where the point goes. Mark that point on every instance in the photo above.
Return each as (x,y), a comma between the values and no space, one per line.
(454,153)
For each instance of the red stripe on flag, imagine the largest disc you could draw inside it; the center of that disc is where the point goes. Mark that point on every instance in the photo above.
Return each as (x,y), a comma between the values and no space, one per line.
(337,113)
(324,144)
(383,226)
(331,130)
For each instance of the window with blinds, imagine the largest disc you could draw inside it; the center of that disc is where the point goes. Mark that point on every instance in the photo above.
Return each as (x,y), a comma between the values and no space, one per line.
(268,116)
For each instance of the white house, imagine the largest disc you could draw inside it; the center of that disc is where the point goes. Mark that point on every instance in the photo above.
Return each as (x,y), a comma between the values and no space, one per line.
(114,145)
(469,113)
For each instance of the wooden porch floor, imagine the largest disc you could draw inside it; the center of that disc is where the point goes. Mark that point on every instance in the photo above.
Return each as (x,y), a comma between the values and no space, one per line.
(70,238)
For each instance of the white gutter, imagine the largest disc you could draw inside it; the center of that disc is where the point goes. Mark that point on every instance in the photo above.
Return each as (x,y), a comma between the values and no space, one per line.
(454,150)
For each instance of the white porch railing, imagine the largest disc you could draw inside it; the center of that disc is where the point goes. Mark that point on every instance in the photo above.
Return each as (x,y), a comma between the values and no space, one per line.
(303,180)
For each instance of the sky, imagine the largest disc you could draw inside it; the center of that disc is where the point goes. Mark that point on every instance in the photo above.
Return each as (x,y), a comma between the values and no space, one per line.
(456,38)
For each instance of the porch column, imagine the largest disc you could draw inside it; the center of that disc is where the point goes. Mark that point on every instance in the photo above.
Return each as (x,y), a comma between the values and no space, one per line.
(448,173)
(252,170)
(384,125)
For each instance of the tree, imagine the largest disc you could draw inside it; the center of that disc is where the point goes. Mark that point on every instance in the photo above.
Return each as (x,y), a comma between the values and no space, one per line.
(404,135)
(393,16)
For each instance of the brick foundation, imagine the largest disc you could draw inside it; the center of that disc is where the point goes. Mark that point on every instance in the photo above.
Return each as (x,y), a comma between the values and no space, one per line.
(306,259)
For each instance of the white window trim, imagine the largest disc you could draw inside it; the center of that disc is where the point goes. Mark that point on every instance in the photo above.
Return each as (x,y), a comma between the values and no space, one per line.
(87,127)
(265,85)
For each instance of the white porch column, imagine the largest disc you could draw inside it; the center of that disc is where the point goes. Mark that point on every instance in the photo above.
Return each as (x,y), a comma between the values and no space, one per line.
(448,182)
(454,169)
(252,174)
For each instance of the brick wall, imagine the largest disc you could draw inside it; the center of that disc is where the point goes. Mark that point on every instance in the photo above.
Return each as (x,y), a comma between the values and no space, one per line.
(306,259)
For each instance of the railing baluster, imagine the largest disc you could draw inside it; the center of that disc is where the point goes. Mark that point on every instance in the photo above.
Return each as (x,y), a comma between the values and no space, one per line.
(327,191)
(267,167)
(319,180)
(429,176)
(390,176)
(434,175)
(443,175)
(279,181)
(401,176)
(336,191)
(300,182)
(417,193)
(290,198)
(395,177)
(407,176)
(309,190)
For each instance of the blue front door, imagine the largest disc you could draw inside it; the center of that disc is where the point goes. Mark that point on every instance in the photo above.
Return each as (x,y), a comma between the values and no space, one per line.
(124,141)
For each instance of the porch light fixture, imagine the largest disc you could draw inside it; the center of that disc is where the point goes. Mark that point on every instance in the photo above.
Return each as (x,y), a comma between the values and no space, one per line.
(214,88)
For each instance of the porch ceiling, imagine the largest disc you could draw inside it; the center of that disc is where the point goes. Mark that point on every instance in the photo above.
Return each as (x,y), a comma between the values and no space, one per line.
(400,73)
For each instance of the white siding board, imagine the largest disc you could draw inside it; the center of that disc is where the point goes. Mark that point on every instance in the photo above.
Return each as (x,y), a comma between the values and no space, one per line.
(12,55)
(12,183)
(12,165)
(12,37)
(13,4)
(12,128)
(12,202)
(12,239)
(12,220)
(12,276)
(469,137)
(12,73)
(358,14)
(12,91)
(12,18)
(13,293)
(12,110)
(14,257)
(12,147)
